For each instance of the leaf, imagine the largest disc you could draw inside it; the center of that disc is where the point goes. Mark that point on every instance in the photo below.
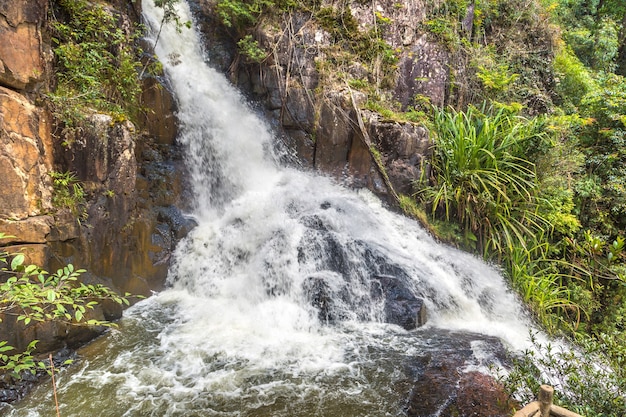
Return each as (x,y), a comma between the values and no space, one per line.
(79,315)
(5,348)
(17,261)
(30,269)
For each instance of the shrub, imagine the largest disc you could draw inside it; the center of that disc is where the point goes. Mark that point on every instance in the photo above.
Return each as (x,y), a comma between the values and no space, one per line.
(586,380)
(34,295)
(98,65)
(480,176)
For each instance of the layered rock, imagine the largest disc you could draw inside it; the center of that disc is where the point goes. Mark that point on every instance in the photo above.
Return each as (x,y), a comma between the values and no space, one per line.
(25,161)
(126,225)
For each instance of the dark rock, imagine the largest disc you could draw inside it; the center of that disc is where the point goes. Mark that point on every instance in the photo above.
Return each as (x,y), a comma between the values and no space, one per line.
(444,386)
(298,111)
(423,71)
(8,395)
(319,295)
(180,224)
(159,120)
(334,135)
(402,307)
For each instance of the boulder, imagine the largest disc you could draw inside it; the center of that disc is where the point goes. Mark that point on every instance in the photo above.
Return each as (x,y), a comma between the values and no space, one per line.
(447,382)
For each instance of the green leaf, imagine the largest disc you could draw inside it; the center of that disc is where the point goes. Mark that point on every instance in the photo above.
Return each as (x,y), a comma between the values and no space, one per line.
(17,261)
(79,315)
(30,269)
(6,348)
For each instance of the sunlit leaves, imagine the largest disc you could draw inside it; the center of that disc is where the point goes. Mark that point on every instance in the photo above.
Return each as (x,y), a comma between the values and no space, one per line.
(481,178)
(34,295)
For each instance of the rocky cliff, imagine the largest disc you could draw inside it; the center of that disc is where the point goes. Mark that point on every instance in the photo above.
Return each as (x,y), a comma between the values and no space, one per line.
(317,89)
(127,219)
(351,83)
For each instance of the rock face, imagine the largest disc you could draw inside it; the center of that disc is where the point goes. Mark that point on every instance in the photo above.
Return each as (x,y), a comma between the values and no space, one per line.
(321,117)
(25,157)
(22,56)
(130,218)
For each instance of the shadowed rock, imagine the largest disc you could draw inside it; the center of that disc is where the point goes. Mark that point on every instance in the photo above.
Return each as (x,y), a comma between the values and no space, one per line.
(402,307)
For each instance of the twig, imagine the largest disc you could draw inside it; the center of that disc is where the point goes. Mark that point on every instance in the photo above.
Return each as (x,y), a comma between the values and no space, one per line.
(54,386)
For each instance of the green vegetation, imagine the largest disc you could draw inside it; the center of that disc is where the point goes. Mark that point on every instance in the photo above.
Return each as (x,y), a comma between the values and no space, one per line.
(589,384)
(529,163)
(481,178)
(349,44)
(32,295)
(68,193)
(536,179)
(250,48)
(98,64)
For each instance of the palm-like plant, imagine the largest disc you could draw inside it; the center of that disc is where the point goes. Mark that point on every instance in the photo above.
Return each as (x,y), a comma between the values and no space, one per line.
(480,176)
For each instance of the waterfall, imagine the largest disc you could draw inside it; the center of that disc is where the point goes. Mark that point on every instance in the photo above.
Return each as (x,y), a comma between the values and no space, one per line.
(238,332)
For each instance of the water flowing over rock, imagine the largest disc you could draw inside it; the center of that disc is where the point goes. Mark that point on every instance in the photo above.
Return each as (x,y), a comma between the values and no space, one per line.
(127,225)
(279,296)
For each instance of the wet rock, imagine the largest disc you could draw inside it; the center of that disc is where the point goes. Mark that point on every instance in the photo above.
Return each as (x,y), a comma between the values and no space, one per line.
(319,295)
(401,306)
(445,383)
(8,395)
(179,224)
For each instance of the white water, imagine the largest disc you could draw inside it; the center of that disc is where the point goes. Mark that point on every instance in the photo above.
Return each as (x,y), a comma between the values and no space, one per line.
(236,335)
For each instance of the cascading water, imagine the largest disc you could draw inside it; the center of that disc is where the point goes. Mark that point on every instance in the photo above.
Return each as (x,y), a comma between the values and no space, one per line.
(242,330)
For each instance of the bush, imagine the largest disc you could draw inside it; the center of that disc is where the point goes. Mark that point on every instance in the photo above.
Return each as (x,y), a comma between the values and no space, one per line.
(98,65)
(586,380)
(481,178)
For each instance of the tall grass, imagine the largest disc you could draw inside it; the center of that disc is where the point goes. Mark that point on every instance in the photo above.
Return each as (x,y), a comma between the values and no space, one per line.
(484,180)
(481,178)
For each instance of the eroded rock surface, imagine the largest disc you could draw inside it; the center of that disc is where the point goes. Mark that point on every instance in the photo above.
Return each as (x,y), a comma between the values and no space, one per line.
(22,56)
(320,116)
(126,226)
